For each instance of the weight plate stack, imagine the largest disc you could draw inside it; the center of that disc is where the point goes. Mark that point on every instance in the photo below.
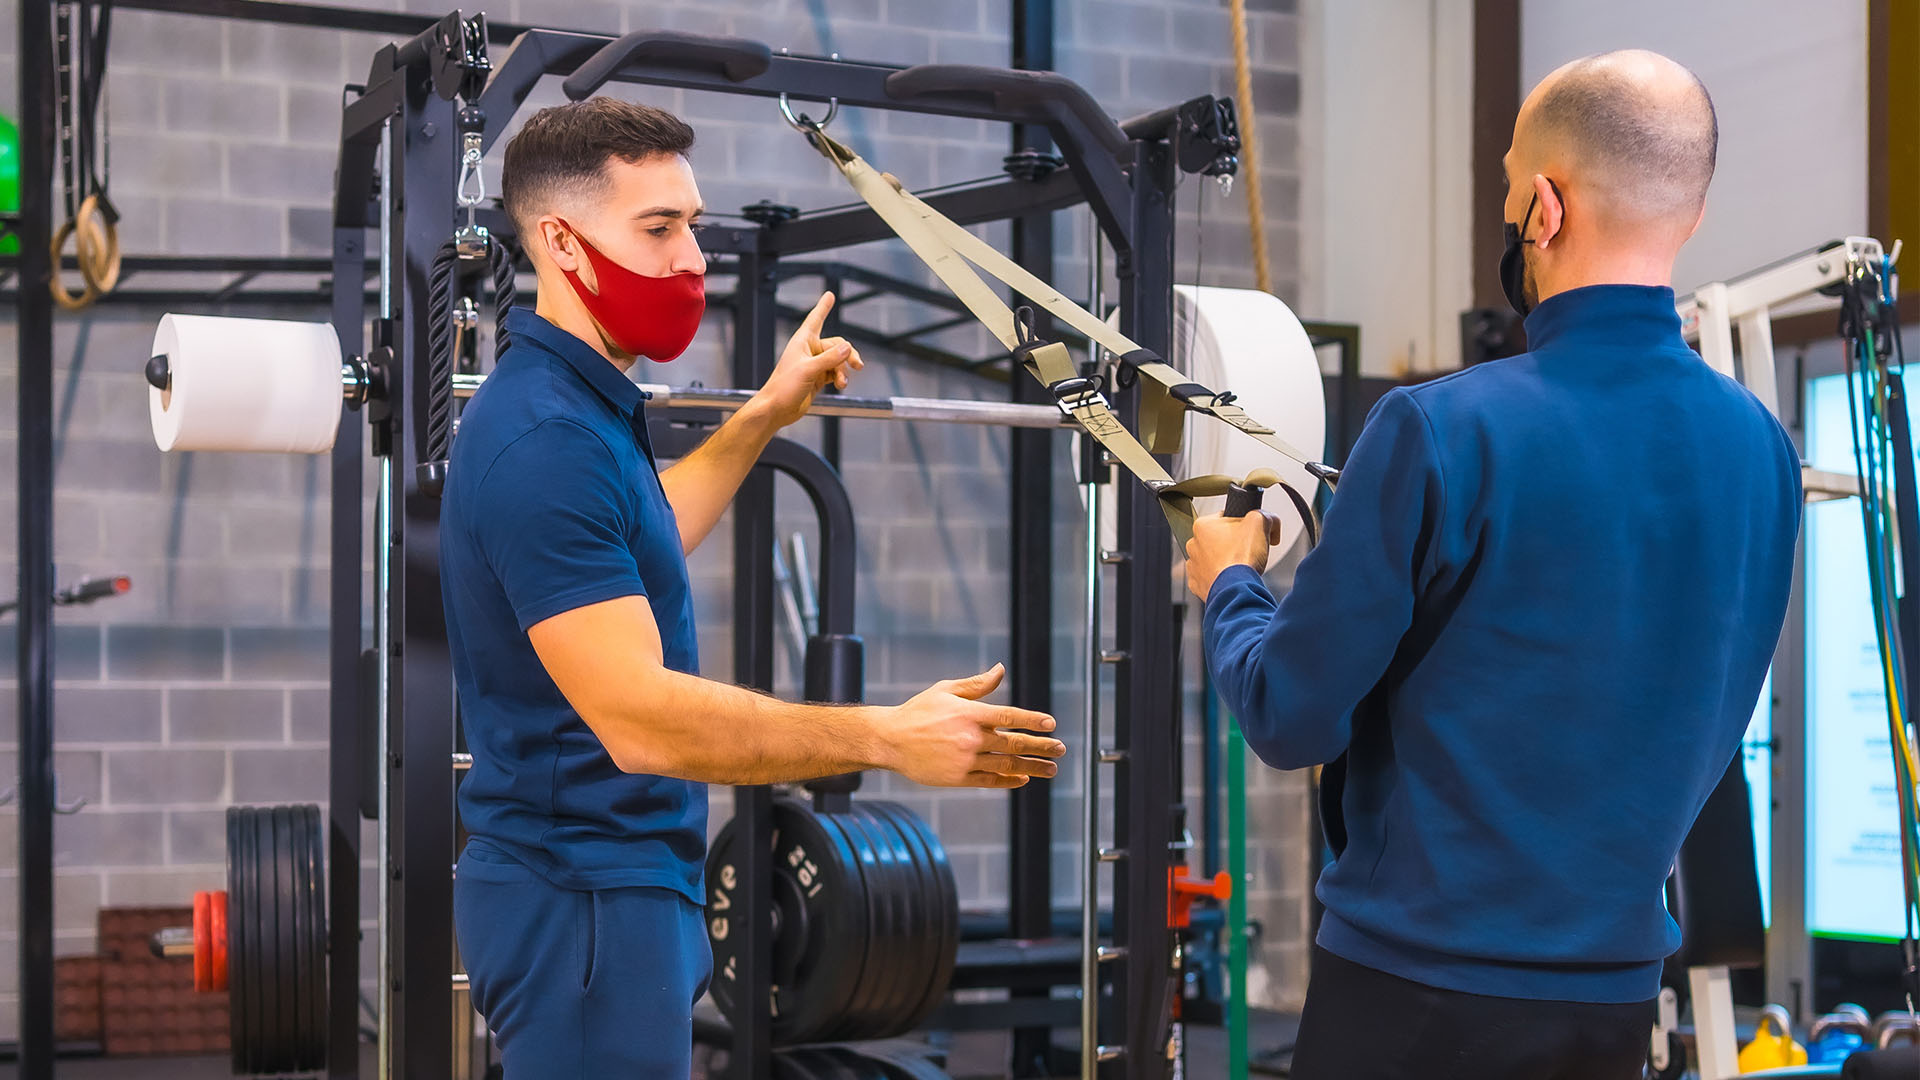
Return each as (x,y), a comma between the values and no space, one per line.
(865,923)
(819,923)
(877,1001)
(938,901)
(276,939)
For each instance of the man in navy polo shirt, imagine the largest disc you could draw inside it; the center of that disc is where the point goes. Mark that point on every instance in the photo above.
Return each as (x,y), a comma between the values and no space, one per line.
(577,901)
(1536,626)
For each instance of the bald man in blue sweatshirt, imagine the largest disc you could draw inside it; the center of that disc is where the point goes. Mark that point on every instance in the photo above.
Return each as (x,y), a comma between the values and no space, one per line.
(1537,624)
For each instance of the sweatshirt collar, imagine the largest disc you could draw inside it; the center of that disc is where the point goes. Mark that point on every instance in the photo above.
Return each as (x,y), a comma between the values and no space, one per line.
(1618,315)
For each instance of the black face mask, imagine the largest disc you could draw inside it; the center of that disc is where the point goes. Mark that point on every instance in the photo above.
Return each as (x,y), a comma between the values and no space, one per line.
(1513,263)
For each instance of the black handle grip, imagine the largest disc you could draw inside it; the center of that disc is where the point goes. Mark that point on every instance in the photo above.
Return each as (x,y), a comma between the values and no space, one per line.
(1242,500)
(738,59)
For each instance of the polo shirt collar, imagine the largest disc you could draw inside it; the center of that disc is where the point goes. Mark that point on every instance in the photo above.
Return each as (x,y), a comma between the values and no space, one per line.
(524,324)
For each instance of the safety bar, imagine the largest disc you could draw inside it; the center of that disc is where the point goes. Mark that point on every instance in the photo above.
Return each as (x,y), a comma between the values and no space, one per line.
(938,410)
(1014,91)
(736,58)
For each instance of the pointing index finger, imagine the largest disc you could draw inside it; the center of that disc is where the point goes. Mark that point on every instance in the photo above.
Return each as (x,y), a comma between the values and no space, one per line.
(817,318)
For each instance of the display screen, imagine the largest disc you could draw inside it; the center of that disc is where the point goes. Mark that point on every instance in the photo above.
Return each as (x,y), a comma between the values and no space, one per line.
(1853,838)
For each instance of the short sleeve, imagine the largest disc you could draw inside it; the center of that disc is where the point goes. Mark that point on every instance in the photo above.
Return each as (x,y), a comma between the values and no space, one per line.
(551,518)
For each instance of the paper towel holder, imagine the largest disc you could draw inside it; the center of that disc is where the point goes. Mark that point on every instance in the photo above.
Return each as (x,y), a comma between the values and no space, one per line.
(361,379)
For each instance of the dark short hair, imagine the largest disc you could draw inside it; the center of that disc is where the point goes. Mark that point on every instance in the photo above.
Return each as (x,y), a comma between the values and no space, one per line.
(1653,158)
(567,147)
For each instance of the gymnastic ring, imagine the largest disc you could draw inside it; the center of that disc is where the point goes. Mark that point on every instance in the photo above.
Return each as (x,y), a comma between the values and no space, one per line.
(805,124)
(70,301)
(98,246)
(96,249)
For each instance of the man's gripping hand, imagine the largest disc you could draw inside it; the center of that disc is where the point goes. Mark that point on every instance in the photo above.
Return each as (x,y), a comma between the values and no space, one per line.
(1219,542)
(945,736)
(809,364)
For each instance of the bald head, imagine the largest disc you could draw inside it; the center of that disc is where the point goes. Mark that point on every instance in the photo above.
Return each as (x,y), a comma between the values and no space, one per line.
(1636,130)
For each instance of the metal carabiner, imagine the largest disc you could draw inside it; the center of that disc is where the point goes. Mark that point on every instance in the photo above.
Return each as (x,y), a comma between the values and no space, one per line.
(469,193)
(804,124)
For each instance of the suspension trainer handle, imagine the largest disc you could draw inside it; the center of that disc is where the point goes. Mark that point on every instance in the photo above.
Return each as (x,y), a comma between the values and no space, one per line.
(1243,499)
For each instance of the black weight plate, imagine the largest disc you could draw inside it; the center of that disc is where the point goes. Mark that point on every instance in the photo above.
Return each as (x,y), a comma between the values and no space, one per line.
(240,989)
(259,1014)
(301,851)
(314,868)
(300,856)
(874,1008)
(822,941)
(939,922)
(259,990)
(919,950)
(939,896)
(848,1021)
(904,982)
(277,825)
(831,885)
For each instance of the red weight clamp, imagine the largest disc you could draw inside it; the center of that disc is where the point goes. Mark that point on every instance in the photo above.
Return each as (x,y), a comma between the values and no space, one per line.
(1182,891)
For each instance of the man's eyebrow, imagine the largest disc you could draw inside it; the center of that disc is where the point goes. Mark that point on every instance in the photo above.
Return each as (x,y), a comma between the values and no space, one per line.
(669,212)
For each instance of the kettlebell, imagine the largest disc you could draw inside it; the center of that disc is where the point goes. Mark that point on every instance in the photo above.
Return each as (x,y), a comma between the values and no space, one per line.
(1837,1034)
(1775,1050)
(1894,1026)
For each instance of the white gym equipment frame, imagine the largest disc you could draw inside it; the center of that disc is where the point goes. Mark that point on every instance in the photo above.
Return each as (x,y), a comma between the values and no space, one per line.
(1708,317)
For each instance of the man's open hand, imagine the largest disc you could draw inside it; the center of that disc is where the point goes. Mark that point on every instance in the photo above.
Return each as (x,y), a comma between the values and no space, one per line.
(947,737)
(809,364)
(1219,542)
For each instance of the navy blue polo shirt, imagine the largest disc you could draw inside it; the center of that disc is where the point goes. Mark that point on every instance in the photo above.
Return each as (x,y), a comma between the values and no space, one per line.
(553,502)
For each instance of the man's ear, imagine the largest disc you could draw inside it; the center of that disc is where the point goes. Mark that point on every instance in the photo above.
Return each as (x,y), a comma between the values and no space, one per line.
(558,244)
(1552,211)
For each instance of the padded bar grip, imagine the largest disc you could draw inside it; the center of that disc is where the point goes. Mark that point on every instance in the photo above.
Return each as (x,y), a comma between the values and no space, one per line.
(737,58)
(1011,90)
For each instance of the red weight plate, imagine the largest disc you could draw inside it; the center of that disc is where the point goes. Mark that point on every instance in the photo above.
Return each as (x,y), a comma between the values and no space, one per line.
(217,951)
(202,942)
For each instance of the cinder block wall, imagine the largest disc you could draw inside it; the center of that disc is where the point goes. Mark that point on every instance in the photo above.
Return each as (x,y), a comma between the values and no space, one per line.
(206,686)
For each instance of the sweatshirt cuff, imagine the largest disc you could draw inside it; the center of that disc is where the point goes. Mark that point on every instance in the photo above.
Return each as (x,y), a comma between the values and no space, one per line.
(1236,575)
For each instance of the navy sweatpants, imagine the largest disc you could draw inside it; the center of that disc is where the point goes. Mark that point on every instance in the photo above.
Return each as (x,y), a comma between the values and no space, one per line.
(577,984)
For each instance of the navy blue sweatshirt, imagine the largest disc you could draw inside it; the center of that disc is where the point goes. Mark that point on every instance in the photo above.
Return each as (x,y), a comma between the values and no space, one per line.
(1537,623)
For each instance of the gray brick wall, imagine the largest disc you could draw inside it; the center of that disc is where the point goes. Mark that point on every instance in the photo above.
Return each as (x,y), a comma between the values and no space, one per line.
(206,686)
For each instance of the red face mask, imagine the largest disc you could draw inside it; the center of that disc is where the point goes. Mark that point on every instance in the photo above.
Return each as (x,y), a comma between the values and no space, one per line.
(654,317)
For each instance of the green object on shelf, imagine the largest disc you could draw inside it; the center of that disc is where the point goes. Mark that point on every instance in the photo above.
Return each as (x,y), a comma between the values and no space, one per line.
(9,181)
(1237,901)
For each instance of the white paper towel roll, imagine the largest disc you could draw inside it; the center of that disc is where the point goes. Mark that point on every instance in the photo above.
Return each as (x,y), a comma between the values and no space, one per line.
(246,384)
(1250,343)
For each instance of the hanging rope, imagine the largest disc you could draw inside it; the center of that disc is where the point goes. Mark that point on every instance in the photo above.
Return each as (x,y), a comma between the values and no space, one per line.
(1250,145)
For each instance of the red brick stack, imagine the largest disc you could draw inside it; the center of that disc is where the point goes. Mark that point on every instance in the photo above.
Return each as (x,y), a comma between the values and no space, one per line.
(148,1004)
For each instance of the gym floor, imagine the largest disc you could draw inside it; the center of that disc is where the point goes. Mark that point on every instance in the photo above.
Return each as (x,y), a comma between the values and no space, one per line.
(1206,1056)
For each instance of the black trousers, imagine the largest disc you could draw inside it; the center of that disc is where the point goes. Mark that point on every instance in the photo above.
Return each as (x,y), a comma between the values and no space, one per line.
(1362,1024)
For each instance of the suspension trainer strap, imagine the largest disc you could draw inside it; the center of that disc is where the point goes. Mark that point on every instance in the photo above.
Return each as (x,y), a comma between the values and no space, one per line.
(958,258)
(937,239)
